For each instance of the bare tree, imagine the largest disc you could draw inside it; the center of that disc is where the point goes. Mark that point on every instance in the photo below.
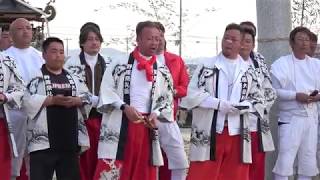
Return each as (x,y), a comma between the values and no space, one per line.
(306,13)
(165,11)
(160,10)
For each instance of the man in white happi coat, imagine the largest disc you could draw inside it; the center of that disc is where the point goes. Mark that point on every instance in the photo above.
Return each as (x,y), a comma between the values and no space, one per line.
(90,66)
(135,93)
(222,92)
(11,92)
(56,103)
(259,127)
(295,78)
(28,60)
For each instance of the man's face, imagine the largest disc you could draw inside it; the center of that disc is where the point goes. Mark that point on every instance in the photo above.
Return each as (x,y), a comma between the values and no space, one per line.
(231,43)
(54,56)
(22,33)
(5,40)
(148,41)
(247,45)
(92,45)
(301,43)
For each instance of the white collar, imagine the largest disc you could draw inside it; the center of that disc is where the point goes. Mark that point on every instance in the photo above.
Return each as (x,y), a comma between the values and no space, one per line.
(89,57)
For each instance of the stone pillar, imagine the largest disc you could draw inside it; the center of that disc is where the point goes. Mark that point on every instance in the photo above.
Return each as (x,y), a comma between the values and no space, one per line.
(274,26)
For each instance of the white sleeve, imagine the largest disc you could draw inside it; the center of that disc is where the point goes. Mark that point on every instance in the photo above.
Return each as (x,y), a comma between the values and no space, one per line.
(210,103)
(117,104)
(94,100)
(283,94)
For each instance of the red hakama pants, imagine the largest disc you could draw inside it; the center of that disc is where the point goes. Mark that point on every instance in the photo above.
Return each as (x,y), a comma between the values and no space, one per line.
(5,152)
(258,159)
(136,163)
(164,171)
(23,172)
(89,159)
(228,164)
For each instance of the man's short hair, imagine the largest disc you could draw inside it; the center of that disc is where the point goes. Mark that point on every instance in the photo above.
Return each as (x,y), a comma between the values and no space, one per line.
(141,25)
(46,43)
(85,32)
(233,26)
(296,30)
(249,23)
(313,37)
(160,26)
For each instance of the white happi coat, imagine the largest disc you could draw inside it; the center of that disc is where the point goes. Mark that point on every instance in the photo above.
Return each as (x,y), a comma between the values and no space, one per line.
(28,60)
(269,95)
(202,86)
(11,84)
(264,79)
(37,134)
(112,92)
(77,68)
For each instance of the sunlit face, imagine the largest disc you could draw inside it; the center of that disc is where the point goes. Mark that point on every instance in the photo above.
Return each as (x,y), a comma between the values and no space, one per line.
(92,45)
(231,43)
(301,43)
(22,33)
(247,45)
(54,56)
(148,41)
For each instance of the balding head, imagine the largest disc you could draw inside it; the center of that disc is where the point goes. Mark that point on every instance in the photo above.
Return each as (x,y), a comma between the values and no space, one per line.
(21,33)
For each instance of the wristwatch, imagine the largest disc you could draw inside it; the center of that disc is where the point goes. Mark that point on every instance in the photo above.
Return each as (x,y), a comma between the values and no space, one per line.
(122,107)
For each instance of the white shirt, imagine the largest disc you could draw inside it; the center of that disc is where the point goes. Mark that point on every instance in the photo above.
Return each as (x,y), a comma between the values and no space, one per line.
(91,61)
(28,60)
(290,76)
(140,89)
(161,59)
(248,61)
(231,68)
(304,77)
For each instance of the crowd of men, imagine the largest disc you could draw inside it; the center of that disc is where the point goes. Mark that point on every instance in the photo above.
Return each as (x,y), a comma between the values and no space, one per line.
(106,118)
